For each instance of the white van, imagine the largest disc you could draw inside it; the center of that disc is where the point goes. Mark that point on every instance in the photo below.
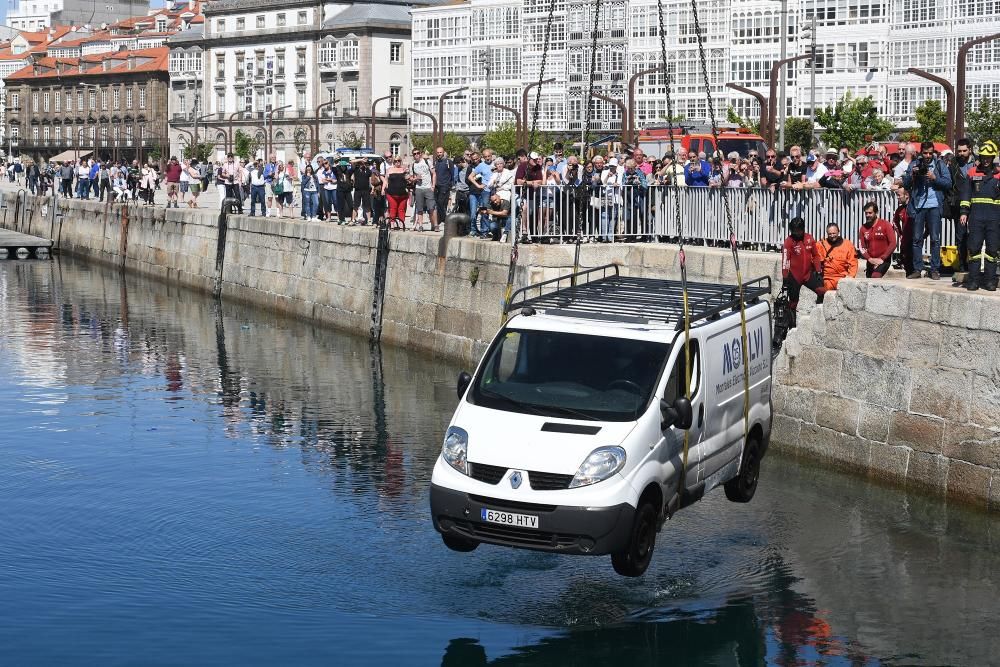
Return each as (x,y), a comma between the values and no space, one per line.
(569,437)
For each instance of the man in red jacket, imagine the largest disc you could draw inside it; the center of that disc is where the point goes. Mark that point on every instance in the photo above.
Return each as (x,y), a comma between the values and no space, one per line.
(903,224)
(800,263)
(877,240)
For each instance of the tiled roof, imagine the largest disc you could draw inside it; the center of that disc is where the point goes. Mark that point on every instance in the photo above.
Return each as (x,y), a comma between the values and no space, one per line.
(145,60)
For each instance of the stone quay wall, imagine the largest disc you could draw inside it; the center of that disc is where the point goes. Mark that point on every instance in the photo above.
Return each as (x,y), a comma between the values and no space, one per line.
(898,382)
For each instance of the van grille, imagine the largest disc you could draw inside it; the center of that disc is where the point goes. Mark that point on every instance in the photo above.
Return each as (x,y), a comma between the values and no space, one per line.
(548,481)
(512,505)
(485,473)
(517,536)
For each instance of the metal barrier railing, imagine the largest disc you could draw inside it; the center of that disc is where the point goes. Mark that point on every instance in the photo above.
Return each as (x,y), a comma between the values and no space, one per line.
(628,213)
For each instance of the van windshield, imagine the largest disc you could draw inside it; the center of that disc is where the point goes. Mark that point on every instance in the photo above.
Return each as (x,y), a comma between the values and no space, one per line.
(575,376)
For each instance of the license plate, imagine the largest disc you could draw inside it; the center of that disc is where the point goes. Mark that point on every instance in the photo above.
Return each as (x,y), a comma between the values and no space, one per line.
(510,519)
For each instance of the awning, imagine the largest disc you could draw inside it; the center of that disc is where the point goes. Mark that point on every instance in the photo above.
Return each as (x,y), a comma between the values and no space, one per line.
(70,155)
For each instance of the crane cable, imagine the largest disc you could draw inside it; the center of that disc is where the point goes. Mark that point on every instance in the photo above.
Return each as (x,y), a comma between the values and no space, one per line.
(541,74)
(745,353)
(680,242)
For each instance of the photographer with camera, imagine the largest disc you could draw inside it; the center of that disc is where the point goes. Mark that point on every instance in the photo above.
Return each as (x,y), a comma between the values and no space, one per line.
(498,213)
(928,181)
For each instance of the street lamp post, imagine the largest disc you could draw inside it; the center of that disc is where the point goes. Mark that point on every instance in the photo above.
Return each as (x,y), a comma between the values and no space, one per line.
(316,122)
(524,110)
(268,140)
(784,79)
(440,138)
(371,144)
(771,111)
(763,123)
(963,54)
(630,119)
(621,107)
(949,96)
(486,60)
(434,121)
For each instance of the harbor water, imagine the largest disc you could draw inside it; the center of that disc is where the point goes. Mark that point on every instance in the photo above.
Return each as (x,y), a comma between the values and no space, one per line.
(186,482)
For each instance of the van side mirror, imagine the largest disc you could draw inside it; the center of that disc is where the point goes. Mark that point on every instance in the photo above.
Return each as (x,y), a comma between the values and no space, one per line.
(464,380)
(679,414)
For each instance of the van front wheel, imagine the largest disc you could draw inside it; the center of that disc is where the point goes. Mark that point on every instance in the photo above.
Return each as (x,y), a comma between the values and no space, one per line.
(740,489)
(461,544)
(634,559)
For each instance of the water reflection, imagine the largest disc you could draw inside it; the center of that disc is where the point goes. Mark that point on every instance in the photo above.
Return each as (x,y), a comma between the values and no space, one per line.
(205,482)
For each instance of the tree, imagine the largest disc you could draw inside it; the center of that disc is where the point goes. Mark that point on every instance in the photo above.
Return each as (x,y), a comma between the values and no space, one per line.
(852,122)
(202,152)
(932,121)
(351,140)
(245,146)
(753,126)
(799,132)
(502,139)
(454,144)
(982,121)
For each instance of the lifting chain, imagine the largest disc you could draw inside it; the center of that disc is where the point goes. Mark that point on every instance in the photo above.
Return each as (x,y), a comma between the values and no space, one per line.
(541,74)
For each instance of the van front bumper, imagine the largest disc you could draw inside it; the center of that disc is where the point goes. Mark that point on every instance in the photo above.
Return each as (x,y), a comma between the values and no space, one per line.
(561,529)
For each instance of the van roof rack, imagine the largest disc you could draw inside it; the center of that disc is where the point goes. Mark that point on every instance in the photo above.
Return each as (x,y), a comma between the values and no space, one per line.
(602,293)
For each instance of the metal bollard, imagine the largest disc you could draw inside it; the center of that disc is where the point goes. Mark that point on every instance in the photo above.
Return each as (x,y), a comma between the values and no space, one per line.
(452,223)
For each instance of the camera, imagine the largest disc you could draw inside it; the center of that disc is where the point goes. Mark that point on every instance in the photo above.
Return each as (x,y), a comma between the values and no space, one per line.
(924,166)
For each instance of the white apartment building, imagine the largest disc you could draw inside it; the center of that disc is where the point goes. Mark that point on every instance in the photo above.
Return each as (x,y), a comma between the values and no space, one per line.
(294,74)
(864,46)
(40,14)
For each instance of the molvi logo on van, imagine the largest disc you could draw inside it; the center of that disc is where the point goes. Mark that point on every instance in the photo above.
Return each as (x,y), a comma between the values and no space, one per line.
(732,358)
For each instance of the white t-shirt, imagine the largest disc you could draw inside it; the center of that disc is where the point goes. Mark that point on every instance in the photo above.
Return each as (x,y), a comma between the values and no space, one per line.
(422,170)
(813,174)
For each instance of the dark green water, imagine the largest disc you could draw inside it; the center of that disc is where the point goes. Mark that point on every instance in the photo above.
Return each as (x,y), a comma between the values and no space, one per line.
(185,482)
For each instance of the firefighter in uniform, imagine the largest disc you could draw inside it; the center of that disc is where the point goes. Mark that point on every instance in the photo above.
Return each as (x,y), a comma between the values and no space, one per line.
(979,204)
(800,265)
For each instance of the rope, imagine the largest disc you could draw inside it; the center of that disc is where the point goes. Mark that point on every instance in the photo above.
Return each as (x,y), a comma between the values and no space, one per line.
(680,242)
(729,226)
(593,66)
(541,74)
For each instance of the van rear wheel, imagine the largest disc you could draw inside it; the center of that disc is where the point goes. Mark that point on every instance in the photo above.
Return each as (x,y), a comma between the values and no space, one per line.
(635,558)
(456,543)
(741,488)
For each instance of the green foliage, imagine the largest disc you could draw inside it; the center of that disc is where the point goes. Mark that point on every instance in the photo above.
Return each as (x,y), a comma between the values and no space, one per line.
(799,132)
(155,153)
(733,117)
(982,122)
(351,140)
(932,121)
(852,122)
(203,151)
(454,144)
(245,146)
(502,139)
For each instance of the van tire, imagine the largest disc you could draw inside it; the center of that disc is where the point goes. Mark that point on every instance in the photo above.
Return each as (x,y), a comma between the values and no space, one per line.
(635,558)
(459,544)
(740,489)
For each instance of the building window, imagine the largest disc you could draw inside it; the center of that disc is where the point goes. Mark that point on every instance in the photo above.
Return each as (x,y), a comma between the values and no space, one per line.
(300,98)
(258,63)
(128,98)
(104,99)
(260,101)
(45,133)
(15,100)
(58,101)
(93,100)
(161,25)
(396,52)
(142,97)
(300,61)
(394,96)
(241,24)
(279,63)
(240,64)
(260,22)
(220,67)
(79,100)
(220,103)
(115,98)
(45,101)
(15,132)
(281,20)
(302,18)
(281,97)
(182,105)
(220,25)
(394,143)
(58,134)
(34,102)
(34,134)
(327,52)
(353,98)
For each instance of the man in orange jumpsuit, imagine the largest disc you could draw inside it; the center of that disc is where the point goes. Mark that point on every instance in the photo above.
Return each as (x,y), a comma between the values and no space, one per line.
(839,257)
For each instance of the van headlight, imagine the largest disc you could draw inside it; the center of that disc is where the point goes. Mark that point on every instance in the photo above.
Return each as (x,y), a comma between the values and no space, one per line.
(602,463)
(456,449)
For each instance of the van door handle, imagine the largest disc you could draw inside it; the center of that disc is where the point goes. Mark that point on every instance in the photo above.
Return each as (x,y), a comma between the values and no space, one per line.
(701,415)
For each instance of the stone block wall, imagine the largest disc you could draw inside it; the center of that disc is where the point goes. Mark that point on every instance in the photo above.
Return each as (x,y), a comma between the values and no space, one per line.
(898,381)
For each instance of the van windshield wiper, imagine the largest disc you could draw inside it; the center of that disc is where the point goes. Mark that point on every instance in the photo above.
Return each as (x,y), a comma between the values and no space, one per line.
(570,412)
(513,402)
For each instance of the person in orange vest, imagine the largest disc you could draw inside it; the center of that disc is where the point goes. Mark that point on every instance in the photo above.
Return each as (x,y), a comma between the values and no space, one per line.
(840,259)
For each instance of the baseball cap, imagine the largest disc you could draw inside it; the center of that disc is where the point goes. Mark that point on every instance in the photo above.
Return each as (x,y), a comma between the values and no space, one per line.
(831,151)
(811,158)
(946,151)
(613,162)
(534,156)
